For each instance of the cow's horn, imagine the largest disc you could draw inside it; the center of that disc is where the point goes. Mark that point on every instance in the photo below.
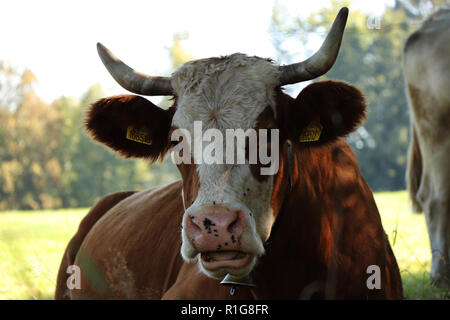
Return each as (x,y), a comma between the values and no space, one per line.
(131,80)
(322,60)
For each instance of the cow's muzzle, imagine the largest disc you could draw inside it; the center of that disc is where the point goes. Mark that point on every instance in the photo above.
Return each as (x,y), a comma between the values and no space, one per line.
(215,232)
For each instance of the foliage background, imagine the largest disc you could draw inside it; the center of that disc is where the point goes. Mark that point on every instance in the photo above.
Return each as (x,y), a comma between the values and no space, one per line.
(370,58)
(48,161)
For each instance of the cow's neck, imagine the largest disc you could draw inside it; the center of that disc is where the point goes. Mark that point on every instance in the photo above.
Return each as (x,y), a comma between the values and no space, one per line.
(298,237)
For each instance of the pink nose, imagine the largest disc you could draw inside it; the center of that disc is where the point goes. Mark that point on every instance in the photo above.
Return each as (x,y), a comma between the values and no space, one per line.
(215,228)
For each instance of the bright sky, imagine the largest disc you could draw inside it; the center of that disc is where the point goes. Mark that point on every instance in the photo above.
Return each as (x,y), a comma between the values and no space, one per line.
(57,39)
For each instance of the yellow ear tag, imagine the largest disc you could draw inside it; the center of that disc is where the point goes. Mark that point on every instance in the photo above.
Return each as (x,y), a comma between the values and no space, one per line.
(140,135)
(311,132)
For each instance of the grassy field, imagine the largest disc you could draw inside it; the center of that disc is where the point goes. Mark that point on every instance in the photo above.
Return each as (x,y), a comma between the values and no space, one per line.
(32,244)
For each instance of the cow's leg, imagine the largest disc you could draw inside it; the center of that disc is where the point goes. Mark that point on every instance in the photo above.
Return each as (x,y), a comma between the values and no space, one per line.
(437,213)
(414,169)
(438,224)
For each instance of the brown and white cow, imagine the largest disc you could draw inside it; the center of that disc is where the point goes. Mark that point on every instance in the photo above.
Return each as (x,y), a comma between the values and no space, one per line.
(309,230)
(427,73)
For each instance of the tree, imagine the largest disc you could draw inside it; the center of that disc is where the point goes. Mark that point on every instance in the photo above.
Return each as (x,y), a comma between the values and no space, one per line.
(30,169)
(370,58)
(47,160)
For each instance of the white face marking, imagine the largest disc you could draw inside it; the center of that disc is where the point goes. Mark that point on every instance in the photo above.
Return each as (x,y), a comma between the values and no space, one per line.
(228,93)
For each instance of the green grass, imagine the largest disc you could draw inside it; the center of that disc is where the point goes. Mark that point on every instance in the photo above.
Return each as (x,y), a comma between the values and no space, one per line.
(31,248)
(409,239)
(32,244)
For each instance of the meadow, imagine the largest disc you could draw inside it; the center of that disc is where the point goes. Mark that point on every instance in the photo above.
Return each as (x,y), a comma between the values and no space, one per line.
(32,244)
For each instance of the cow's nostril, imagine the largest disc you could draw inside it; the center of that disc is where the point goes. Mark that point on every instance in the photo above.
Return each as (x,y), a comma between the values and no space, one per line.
(192,227)
(232,227)
(215,229)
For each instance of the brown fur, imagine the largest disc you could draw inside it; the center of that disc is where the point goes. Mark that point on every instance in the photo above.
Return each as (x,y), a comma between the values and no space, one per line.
(339,106)
(73,247)
(338,233)
(107,121)
(135,246)
(328,226)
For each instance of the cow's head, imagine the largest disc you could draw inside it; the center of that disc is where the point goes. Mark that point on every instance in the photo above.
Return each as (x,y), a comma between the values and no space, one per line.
(229,207)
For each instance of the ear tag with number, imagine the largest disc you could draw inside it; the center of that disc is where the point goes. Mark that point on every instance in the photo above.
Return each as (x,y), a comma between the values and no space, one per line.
(311,132)
(139,134)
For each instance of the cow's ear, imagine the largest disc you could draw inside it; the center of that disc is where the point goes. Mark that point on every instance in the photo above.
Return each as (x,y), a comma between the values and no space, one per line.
(131,125)
(324,111)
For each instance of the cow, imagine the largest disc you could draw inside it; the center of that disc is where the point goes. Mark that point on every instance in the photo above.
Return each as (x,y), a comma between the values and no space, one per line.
(426,67)
(310,229)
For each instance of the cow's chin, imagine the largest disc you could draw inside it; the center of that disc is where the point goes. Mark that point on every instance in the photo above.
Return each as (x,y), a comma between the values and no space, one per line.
(217,264)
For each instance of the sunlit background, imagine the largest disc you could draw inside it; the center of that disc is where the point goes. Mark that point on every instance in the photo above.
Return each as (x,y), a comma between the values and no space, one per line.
(50,72)
(56,39)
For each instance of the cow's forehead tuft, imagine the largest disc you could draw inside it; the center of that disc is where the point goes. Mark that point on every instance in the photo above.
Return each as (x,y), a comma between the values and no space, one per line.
(191,74)
(231,90)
